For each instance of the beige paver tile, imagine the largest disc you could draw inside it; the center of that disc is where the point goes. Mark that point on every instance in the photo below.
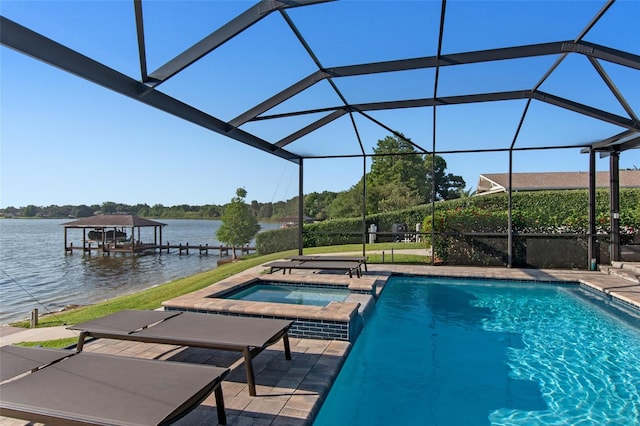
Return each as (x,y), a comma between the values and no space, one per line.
(294,413)
(239,402)
(266,405)
(233,389)
(303,400)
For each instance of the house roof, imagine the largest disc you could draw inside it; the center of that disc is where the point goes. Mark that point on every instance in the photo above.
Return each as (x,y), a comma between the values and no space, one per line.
(499,182)
(112,220)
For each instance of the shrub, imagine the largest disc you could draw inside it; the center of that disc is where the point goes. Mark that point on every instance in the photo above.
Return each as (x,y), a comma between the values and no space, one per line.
(276,240)
(543,212)
(562,215)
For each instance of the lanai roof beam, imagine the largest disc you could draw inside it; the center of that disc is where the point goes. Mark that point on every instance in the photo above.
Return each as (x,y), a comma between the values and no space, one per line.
(563,47)
(614,89)
(628,139)
(587,110)
(393,132)
(223,34)
(478,98)
(289,92)
(142,50)
(311,127)
(32,44)
(554,48)
(411,103)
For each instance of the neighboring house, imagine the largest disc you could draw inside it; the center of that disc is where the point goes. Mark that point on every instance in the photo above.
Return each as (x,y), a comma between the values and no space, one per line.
(499,182)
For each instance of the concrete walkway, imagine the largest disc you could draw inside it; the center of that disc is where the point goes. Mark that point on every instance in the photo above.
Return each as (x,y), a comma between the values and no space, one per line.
(12,335)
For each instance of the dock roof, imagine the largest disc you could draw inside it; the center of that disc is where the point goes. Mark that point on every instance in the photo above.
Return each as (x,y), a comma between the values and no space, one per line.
(112,220)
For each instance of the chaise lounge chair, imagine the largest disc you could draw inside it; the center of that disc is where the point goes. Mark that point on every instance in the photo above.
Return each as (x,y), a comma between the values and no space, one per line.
(350,268)
(241,334)
(64,387)
(329,258)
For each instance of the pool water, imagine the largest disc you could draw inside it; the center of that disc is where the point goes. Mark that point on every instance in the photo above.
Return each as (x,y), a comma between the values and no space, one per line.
(441,351)
(301,294)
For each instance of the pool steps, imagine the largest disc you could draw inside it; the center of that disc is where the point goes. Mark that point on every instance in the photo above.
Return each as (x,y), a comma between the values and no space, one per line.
(627,271)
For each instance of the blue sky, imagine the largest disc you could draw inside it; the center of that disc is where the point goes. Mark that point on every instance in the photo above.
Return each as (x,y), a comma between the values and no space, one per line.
(67,141)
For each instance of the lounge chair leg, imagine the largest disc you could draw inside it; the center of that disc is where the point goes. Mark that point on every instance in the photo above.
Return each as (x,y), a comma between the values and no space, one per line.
(222,415)
(287,347)
(251,380)
(80,344)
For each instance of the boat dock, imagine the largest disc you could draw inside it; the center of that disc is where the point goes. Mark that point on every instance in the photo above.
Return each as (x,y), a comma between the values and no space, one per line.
(142,248)
(108,234)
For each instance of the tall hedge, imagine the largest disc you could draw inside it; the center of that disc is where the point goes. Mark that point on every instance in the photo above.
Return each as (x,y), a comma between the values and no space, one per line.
(276,240)
(550,228)
(544,212)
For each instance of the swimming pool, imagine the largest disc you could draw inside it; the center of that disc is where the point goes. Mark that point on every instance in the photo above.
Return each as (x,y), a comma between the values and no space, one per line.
(295,294)
(441,351)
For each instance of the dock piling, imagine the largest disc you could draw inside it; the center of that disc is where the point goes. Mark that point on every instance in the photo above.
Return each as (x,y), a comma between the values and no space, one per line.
(34,318)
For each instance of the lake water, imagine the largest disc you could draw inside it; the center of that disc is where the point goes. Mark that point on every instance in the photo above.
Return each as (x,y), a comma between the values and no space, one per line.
(35,271)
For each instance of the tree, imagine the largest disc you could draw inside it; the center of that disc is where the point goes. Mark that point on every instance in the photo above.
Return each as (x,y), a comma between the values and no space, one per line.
(82,211)
(239,226)
(465,193)
(109,207)
(31,210)
(347,203)
(397,196)
(397,162)
(316,205)
(447,185)
(400,178)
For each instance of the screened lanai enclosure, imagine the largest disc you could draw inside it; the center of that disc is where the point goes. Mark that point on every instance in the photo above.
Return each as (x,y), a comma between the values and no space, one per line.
(491,86)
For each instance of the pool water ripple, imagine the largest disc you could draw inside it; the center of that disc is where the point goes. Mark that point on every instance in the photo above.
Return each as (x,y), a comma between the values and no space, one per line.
(456,353)
(575,354)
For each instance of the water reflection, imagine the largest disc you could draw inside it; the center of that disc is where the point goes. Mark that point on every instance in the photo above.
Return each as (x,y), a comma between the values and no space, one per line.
(111,271)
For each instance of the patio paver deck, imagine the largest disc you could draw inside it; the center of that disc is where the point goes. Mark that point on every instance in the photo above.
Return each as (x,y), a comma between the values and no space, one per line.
(291,392)
(288,392)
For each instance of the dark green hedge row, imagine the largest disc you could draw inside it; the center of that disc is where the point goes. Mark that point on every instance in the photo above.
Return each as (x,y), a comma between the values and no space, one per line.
(558,221)
(276,240)
(546,212)
(536,212)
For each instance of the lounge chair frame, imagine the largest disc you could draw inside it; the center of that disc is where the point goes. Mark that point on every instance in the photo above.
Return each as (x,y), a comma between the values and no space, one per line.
(61,387)
(250,336)
(328,258)
(348,267)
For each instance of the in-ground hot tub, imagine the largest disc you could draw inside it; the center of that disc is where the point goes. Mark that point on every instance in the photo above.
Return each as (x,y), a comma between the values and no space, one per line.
(323,318)
(291,293)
